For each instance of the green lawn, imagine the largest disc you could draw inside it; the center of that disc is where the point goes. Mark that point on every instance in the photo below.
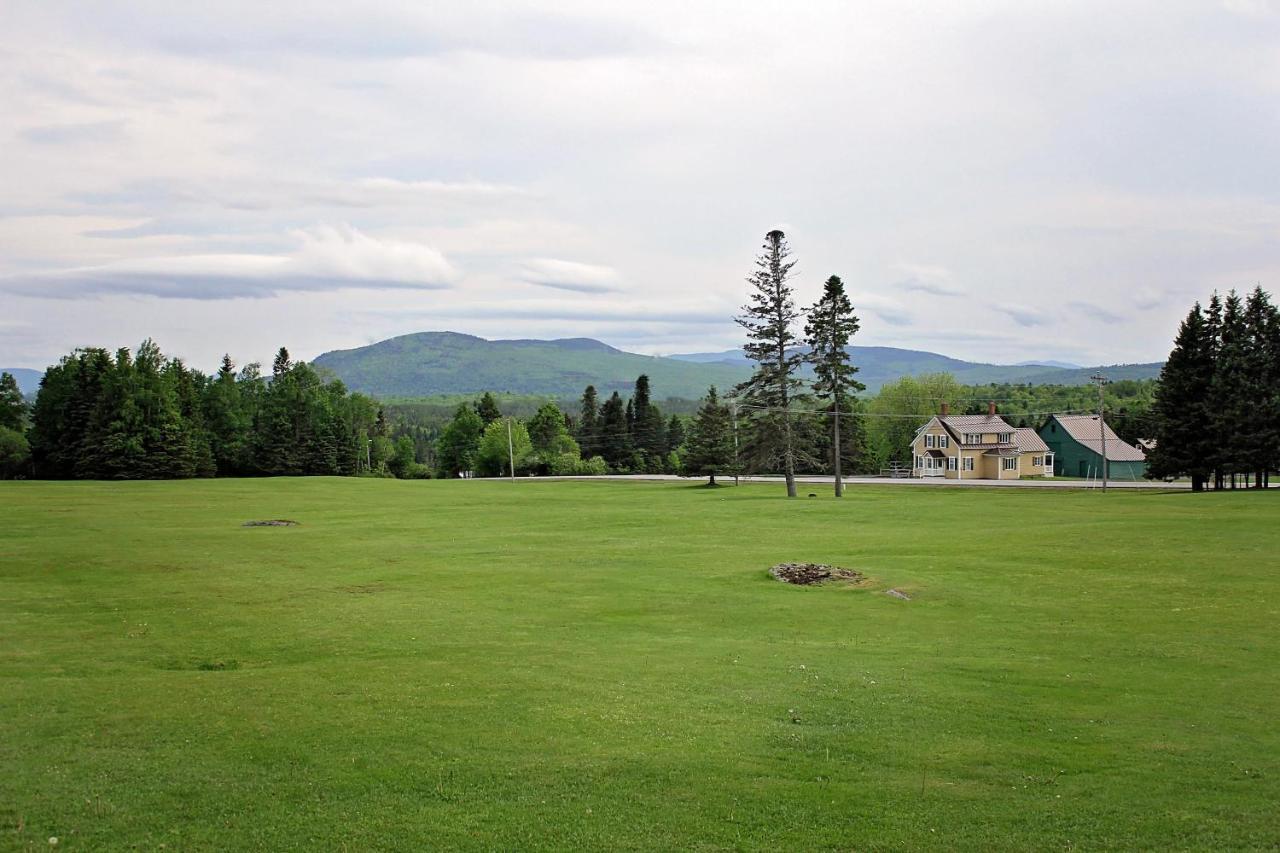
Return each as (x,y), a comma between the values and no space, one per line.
(607,665)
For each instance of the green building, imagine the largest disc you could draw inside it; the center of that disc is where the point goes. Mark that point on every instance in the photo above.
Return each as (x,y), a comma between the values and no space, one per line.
(1076,443)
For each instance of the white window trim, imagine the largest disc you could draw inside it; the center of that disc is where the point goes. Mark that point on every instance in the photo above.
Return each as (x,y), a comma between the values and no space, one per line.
(951,463)
(968,463)
(1008,463)
(942,441)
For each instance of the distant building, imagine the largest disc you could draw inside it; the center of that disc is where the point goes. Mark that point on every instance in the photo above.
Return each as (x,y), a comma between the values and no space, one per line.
(978,447)
(1076,443)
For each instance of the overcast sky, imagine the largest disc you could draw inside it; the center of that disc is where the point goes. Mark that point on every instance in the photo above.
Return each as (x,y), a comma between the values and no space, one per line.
(997,181)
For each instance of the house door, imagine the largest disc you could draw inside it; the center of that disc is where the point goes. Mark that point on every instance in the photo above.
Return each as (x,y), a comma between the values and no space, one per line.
(933,467)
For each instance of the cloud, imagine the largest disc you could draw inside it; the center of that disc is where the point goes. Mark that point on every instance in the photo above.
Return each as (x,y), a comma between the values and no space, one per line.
(936,281)
(1097,312)
(569,275)
(888,310)
(1023,315)
(326,258)
(70,134)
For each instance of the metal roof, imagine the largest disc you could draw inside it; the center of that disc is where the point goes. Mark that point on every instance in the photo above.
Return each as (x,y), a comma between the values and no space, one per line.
(1084,429)
(1028,441)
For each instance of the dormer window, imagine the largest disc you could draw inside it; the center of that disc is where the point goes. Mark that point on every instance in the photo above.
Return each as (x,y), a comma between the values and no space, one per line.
(1006,438)
(972,438)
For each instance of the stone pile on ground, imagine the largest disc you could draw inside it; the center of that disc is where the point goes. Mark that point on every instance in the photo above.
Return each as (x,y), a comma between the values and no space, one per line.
(805,574)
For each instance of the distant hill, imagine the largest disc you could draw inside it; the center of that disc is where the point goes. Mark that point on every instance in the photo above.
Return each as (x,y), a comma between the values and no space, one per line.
(429,363)
(880,365)
(28,380)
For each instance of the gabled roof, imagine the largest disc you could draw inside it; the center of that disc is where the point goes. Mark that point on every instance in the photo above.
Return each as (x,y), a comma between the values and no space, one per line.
(1084,430)
(1029,441)
(959,425)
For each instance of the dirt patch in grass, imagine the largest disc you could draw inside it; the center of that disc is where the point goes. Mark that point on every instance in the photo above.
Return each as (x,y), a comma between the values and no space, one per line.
(808,574)
(271,522)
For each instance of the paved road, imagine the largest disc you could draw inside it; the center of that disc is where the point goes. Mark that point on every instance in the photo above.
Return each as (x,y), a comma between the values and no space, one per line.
(921,482)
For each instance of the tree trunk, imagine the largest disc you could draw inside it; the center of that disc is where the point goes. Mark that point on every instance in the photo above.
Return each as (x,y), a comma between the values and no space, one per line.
(713,480)
(835,433)
(1197,483)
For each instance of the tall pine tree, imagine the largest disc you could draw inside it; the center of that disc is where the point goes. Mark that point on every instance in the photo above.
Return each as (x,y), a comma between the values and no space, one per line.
(769,319)
(1184,439)
(831,324)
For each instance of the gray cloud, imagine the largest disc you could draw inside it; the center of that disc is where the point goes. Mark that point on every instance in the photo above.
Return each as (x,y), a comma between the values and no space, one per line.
(327,258)
(71,134)
(569,275)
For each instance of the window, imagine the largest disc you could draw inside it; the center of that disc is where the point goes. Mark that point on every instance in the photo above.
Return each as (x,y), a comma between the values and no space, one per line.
(1006,437)
(918,463)
(951,463)
(972,438)
(1037,461)
(942,441)
(929,439)
(968,463)
(1009,463)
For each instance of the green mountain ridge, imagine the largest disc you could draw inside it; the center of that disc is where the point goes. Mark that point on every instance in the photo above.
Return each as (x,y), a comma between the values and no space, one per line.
(430,363)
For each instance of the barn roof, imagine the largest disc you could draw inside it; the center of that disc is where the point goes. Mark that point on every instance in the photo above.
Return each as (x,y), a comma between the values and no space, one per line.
(1084,429)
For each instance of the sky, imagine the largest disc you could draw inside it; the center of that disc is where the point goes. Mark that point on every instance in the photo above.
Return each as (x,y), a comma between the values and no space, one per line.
(995,181)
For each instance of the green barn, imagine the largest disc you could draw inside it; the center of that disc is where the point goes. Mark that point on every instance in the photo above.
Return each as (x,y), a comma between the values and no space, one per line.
(1076,444)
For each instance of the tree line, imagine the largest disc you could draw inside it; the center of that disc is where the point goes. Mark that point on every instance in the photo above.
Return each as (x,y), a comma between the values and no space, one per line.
(1216,415)
(127,415)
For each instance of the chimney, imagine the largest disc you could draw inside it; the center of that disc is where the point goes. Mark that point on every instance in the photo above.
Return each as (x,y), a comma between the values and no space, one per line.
(991,409)
(946,410)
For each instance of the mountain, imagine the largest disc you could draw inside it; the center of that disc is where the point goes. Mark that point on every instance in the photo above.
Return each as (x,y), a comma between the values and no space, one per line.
(28,380)
(428,363)
(880,365)
(1048,362)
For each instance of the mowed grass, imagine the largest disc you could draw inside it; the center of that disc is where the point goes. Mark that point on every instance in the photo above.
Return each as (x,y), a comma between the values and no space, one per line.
(435,665)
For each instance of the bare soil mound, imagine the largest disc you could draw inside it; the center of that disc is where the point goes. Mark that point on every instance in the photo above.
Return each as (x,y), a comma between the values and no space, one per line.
(271,522)
(806,574)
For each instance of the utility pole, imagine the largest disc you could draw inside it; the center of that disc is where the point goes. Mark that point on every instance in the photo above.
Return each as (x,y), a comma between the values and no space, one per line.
(1102,427)
(511,453)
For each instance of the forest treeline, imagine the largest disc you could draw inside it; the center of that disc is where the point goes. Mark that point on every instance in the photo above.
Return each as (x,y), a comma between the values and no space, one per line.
(125,415)
(173,421)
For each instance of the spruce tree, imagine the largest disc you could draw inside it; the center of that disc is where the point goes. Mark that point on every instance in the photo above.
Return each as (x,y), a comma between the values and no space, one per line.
(675,433)
(487,409)
(831,324)
(589,423)
(709,449)
(1181,418)
(1259,430)
(281,365)
(615,439)
(769,318)
(648,426)
(1230,390)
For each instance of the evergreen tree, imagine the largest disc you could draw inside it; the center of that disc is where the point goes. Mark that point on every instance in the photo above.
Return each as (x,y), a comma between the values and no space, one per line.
(769,319)
(1184,440)
(648,429)
(1259,427)
(281,365)
(831,324)
(229,421)
(1231,389)
(615,439)
(710,450)
(487,409)
(589,423)
(13,407)
(675,433)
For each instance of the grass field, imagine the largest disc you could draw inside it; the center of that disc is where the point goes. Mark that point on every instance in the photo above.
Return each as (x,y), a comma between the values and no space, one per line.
(607,665)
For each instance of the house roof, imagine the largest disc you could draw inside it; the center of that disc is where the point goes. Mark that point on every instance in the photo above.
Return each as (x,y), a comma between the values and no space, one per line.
(959,425)
(1084,430)
(976,423)
(1029,441)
